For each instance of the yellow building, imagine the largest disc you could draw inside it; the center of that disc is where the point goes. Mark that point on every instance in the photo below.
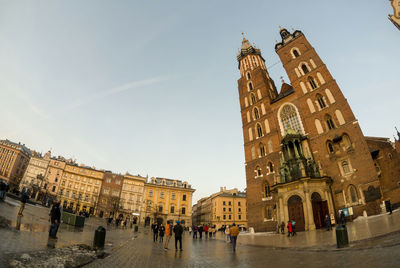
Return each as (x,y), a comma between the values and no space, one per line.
(168,200)
(222,208)
(80,188)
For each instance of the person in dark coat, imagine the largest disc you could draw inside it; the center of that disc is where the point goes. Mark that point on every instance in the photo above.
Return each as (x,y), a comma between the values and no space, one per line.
(282,227)
(328,223)
(55,218)
(161,232)
(200,231)
(194,228)
(154,227)
(178,231)
(24,199)
(342,218)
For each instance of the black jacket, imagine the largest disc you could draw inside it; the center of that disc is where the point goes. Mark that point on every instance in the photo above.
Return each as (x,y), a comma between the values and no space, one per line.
(178,230)
(55,214)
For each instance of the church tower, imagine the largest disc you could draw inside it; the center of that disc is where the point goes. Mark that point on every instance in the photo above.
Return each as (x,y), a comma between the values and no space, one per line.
(306,155)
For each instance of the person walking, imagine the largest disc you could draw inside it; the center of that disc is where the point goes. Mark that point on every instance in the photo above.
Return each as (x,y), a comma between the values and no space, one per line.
(328,223)
(24,199)
(210,232)
(234,232)
(194,228)
(178,230)
(55,218)
(168,233)
(161,232)
(201,231)
(154,227)
(282,227)
(206,231)
(289,228)
(293,227)
(228,234)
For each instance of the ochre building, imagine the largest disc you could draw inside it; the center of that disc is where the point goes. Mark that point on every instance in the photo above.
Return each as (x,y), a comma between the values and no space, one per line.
(132,198)
(80,188)
(168,200)
(14,158)
(305,154)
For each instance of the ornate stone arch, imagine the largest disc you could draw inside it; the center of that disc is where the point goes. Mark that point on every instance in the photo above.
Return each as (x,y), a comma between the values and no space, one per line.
(297,114)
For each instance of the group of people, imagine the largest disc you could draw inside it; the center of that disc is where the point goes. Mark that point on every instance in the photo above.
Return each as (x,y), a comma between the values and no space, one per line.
(209,231)
(159,231)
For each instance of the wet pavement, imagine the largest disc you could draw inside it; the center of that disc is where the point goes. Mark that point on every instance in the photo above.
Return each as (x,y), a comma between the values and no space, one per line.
(375,242)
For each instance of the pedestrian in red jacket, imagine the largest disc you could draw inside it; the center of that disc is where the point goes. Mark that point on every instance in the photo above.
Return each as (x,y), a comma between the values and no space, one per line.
(289,228)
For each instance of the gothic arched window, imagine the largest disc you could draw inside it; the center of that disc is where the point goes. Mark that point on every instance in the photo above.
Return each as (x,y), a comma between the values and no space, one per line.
(296,53)
(258,171)
(304,68)
(321,101)
(250,86)
(345,167)
(312,82)
(330,147)
(248,76)
(254,61)
(353,194)
(253,98)
(346,141)
(271,167)
(262,149)
(259,131)
(256,113)
(329,122)
(290,118)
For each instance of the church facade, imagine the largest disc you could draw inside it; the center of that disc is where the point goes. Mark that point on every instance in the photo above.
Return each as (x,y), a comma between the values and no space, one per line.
(305,154)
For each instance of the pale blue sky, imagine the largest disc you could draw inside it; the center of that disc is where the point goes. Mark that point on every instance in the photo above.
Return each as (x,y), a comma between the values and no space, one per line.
(151,88)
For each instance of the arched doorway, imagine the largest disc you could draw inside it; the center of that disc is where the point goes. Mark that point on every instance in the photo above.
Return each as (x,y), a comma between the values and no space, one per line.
(320,210)
(147,221)
(296,213)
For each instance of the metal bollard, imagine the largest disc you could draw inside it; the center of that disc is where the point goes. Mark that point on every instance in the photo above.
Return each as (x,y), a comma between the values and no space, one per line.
(99,237)
(342,238)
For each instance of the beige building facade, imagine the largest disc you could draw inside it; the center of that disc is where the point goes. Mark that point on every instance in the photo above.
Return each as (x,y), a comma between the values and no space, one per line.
(168,200)
(53,176)
(132,198)
(34,177)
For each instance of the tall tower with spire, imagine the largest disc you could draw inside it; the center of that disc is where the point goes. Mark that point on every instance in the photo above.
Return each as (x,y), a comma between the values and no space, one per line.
(305,153)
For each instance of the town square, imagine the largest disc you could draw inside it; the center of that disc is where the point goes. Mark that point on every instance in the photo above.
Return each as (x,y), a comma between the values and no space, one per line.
(188,134)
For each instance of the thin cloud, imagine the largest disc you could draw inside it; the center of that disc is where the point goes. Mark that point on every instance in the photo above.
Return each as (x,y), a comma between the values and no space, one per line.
(115,90)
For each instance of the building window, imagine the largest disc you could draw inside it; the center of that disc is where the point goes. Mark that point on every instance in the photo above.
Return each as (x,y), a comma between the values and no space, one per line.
(172,209)
(258,171)
(271,167)
(183,211)
(118,182)
(269,213)
(239,203)
(160,208)
(150,193)
(254,61)
(256,113)
(259,131)
(248,76)
(224,203)
(229,203)
(304,68)
(53,189)
(345,167)
(290,119)
(267,190)
(239,210)
(230,209)
(108,180)
(312,82)
(173,196)
(346,141)
(262,149)
(353,194)
(224,209)
(330,147)
(240,217)
(251,86)
(162,195)
(184,197)
(230,217)
(224,217)
(296,53)
(329,122)
(253,98)
(321,101)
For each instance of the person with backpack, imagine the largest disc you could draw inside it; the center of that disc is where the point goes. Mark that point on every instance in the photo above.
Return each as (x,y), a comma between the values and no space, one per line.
(293,227)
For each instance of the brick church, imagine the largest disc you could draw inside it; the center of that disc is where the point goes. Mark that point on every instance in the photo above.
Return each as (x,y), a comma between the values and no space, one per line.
(305,154)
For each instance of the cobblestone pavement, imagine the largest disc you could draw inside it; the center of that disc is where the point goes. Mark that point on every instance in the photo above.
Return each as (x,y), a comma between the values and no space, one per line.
(143,252)
(370,244)
(33,234)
